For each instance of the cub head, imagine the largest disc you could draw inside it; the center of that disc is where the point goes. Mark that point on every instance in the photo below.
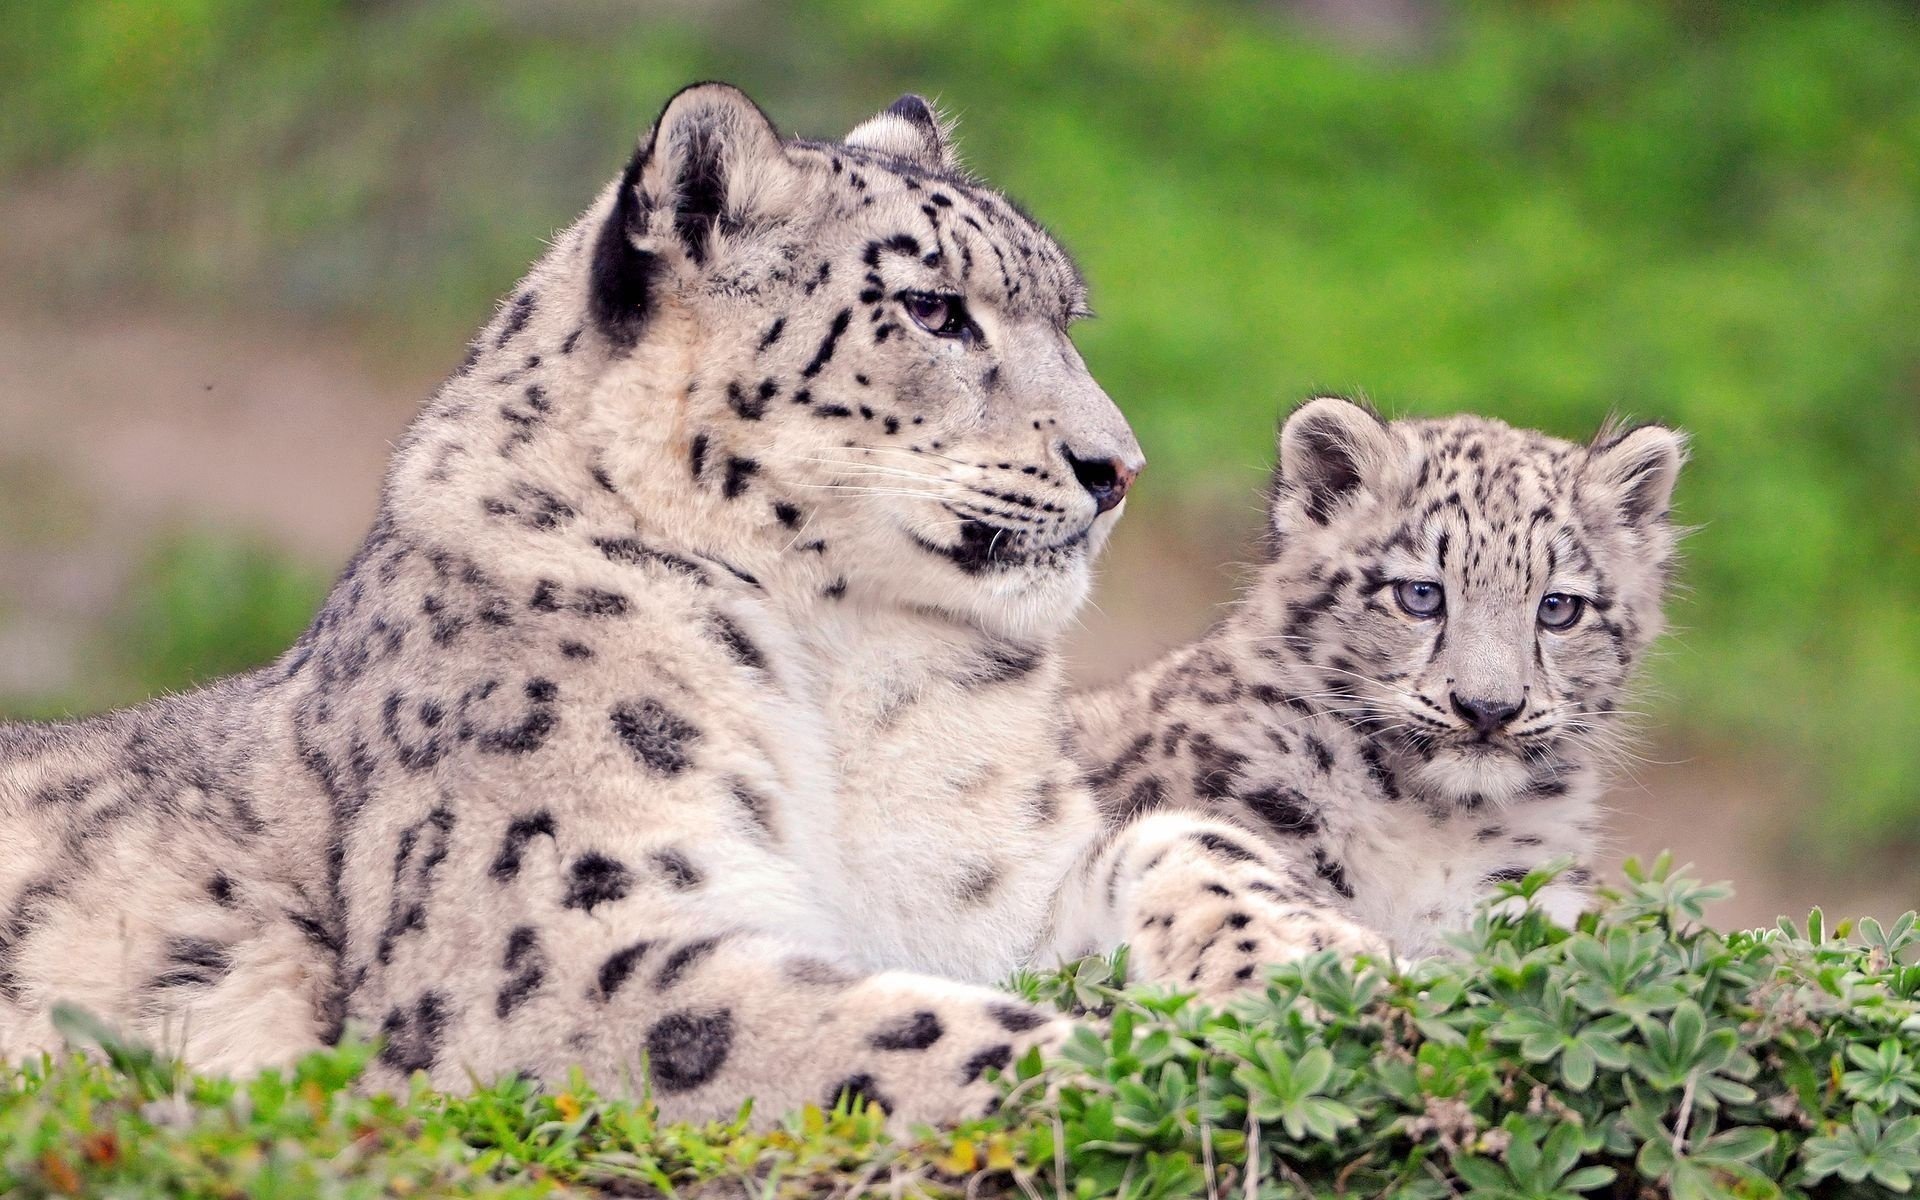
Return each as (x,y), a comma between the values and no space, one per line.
(871,359)
(1473,597)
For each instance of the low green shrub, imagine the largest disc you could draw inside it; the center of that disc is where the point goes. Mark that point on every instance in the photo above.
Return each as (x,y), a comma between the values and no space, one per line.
(1640,1054)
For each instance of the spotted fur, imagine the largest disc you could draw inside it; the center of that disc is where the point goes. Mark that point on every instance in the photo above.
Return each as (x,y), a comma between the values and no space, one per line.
(1320,715)
(690,714)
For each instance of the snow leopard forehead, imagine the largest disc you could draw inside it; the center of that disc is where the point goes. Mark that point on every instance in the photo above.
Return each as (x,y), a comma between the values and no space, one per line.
(994,247)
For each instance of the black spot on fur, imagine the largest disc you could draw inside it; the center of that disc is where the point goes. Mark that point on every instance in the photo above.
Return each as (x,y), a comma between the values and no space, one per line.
(977,884)
(599,602)
(856,1090)
(526,967)
(739,470)
(596,879)
(1015,1018)
(413,1036)
(738,644)
(534,727)
(697,454)
(1224,848)
(915,1032)
(1148,793)
(657,736)
(193,962)
(687,1049)
(1113,772)
(630,552)
(680,873)
(748,406)
(1284,810)
(993,1058)
(220,887)
(818,972)
(517,317)
(506,865)
(786,514)
(1214,767)
(1000,662)
(619,967)
(621,275)
(413,876)
(1331,870)
(1322,755)
(824,354)
(683,960)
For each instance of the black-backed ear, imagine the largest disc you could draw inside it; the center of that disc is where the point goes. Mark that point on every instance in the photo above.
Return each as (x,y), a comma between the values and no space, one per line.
(1633,471)
(1330,448)
(712,168)
(911,129)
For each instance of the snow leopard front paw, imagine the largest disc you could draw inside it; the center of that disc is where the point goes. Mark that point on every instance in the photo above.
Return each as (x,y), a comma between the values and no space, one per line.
(1219,945)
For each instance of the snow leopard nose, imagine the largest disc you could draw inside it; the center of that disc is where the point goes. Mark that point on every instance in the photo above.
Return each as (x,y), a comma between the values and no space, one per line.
(1106,479)
(1486,715)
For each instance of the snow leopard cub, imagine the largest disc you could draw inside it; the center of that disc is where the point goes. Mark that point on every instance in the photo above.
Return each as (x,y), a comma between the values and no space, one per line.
(1417,697)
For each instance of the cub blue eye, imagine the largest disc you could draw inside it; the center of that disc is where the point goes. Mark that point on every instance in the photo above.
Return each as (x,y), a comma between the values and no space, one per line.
(1558,610)
(1420,597)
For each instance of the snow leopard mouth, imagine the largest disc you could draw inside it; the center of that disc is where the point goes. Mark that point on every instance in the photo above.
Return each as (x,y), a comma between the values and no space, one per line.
(985,548)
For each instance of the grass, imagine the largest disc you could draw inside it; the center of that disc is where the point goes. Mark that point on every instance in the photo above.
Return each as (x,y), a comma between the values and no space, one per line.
(1639,1054)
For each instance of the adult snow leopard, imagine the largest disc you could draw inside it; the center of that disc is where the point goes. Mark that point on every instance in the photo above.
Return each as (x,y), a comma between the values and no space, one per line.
(691,713)
(1417,696)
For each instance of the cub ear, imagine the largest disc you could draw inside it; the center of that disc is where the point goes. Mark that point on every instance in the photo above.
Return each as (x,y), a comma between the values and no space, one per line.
(911,129)
(711,170)
(1330,448)
(1633,470)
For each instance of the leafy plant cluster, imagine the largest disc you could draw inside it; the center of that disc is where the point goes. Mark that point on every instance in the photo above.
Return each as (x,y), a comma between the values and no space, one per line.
(1637,1055)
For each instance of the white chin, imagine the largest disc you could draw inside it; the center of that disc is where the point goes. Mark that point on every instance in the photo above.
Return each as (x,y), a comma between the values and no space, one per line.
(1494,776)
(1023,603)
(1031,603)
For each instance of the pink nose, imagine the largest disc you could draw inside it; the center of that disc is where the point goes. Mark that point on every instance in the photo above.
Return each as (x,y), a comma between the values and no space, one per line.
(1106,479)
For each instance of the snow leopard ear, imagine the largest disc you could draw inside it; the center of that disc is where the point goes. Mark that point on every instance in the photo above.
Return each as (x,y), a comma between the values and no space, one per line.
(1632,470)
(1330,448)
(710,172)
(911,129)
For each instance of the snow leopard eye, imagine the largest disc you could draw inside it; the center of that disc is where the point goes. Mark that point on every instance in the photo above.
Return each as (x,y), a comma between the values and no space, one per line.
(941,314)
(1558,610)
(1420,597)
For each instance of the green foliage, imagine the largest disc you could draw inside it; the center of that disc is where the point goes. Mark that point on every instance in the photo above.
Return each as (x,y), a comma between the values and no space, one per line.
(1636,1054)
(205,606)
(1708,214)
(198,606)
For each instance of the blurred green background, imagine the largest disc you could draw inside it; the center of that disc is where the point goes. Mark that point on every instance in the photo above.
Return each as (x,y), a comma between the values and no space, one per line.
(1703,213)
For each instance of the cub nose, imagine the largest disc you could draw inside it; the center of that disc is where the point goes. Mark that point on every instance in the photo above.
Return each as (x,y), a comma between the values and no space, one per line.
(1106,479)
(1486,715)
